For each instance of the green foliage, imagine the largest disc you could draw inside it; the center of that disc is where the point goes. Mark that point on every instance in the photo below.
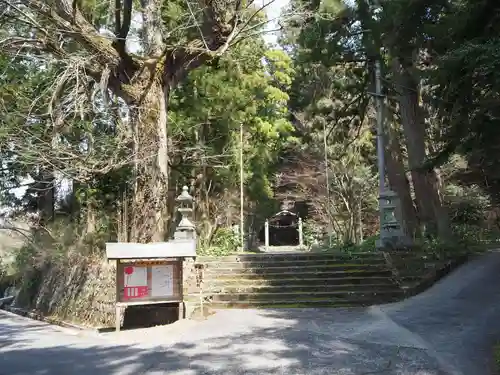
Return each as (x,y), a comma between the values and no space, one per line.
(467,238)
(3,270)
(369,244)
(336,246)
(287,103)
(207,111)
(311,232)
(24,258)
(246,86)
(224,242)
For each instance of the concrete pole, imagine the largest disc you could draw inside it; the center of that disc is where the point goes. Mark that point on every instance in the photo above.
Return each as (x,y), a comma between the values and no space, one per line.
(379,98)
(242,199)
(380,127)
(301,237)
(266,235)
(327,176)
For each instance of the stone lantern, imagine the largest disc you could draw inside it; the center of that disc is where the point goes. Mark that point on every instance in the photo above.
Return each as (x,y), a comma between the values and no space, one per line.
(391,232)
(185,230)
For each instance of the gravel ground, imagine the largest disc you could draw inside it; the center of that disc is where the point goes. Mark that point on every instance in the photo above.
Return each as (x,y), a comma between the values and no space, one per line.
(447,330)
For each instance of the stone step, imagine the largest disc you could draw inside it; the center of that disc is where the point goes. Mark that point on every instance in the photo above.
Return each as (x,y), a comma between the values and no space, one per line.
(289,257)
(296,269)
(417,261)
(299,279)
(303,303)
(300,296)
(292,263)
(416,272)
(299,289)
(411,279)
(291,274)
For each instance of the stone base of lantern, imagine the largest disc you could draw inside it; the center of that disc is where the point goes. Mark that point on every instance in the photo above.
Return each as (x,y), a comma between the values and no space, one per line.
(391,233)
(393,242)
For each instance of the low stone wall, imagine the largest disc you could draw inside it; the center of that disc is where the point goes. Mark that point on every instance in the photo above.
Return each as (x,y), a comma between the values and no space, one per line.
(434,275)
(416,271)
(83,292)
(77,290)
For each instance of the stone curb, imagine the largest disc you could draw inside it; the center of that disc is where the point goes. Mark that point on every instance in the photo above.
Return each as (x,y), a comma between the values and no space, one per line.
(52,321)
(55,322)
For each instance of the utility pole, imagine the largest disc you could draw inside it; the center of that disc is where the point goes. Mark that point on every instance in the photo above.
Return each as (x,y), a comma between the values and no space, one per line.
(380,127)
(390,229)
(379,99)
(327,175)
(242,217)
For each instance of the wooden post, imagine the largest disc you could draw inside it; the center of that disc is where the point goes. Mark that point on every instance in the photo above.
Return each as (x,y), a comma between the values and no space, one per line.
(118,311)
(182,306)
(266,235)
(117,307)
(181,311)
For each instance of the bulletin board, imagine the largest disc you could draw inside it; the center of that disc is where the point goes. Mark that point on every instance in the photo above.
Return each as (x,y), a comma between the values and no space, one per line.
(149,281)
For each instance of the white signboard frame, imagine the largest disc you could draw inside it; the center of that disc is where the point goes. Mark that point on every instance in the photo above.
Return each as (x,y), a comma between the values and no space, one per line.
(162,280)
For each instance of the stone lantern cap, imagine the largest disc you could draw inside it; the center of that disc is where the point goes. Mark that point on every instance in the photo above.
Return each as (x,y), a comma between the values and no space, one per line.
(184,200)
(184,197)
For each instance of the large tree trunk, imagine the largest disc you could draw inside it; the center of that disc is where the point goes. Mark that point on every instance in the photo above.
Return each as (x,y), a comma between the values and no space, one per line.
(430,210)
(46,196)
(150,211)
(149,116)
(398,181)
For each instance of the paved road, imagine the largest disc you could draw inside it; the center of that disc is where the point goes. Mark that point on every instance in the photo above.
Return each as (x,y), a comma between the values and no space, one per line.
(446,331)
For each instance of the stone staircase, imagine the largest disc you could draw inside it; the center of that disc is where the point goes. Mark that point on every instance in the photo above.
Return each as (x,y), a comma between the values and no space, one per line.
(297,280)
(281,249)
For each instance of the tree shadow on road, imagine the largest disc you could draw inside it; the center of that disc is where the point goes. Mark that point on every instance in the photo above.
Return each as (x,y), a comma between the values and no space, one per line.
(281,342)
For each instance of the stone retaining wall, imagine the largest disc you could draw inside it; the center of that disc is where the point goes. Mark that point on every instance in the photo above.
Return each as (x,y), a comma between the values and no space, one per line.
(78,290)
(84,292)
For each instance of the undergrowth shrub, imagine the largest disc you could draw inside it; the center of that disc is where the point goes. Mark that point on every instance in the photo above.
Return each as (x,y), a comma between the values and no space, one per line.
(466,238)
(224,242)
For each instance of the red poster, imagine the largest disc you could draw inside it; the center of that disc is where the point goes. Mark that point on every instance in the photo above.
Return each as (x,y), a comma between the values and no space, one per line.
(131,292)
(135,282)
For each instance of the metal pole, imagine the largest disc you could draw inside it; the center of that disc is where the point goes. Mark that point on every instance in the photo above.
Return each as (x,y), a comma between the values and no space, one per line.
(380,146)
(380,127)
(242,218)
(327,175)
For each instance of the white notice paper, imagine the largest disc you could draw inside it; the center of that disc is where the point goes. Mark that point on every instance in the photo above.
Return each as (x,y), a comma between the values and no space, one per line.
(135,276)
(162,281)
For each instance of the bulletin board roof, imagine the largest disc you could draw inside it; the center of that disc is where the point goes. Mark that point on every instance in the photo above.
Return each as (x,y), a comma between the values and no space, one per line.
(170,249)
